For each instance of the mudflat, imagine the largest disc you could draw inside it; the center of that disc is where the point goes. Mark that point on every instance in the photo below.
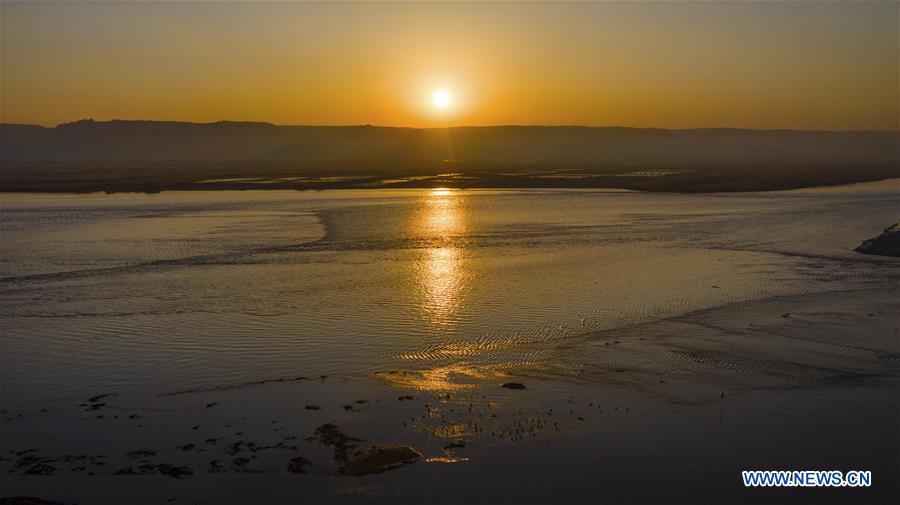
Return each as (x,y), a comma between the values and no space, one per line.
(446,346)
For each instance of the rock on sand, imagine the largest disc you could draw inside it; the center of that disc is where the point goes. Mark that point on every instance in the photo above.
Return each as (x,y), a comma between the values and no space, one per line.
(380,458)
(886,244)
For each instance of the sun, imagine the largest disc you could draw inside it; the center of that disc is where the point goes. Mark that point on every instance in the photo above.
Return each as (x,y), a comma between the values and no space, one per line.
(441,98)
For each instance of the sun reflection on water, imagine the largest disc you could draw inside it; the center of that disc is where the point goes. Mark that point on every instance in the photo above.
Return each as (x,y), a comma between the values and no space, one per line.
(442,276)
(453,377)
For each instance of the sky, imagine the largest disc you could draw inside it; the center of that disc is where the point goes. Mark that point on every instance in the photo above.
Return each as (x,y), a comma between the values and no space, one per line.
(792,64)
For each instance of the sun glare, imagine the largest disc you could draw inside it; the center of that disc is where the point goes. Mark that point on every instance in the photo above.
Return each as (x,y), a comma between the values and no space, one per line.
(441,98)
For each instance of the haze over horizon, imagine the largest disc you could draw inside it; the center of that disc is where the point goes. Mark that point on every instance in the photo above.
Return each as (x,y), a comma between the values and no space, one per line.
(764,65)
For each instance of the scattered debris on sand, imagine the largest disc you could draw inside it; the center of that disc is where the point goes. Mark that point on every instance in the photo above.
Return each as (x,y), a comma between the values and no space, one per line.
(886,244)
(235,447)
(380,458)
(215,466)
(94,403)
(242,465)
(141,454)
(173,471)
(229,387)
(27,500)
(27,459)
(41,469)
(330,435)
(513,385)
(371,459)
(297,465)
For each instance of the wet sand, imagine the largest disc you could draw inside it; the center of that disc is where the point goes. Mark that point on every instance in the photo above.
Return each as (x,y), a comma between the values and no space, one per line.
(664,412)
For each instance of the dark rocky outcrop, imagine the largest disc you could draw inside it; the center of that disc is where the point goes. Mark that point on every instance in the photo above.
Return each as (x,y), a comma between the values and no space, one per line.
(886,244)
(380,458)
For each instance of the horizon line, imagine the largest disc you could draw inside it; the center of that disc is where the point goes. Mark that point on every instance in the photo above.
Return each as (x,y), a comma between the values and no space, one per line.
(500,125)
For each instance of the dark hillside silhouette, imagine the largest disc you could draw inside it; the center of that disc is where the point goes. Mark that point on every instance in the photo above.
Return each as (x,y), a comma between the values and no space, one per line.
(148,155)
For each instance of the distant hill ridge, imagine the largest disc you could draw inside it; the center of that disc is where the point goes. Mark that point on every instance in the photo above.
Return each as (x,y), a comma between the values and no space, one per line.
(122,141)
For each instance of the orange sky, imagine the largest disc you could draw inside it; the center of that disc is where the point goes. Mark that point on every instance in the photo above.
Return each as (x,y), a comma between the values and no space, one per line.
(805,65)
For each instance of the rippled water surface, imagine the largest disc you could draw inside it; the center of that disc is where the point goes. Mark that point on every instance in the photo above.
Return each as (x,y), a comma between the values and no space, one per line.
(157,293)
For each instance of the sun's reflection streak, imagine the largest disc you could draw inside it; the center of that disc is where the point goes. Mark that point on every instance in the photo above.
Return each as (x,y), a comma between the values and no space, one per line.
(442,275)
(441,281)
(442,214)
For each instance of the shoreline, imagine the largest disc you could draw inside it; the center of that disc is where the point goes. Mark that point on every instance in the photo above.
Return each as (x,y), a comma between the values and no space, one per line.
(875,183)
(722,187)
(738,369)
